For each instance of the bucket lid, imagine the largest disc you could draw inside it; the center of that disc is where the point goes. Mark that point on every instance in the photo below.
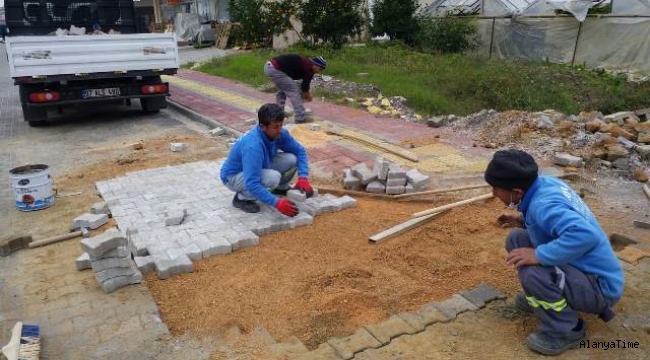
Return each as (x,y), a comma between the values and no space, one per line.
(28,169)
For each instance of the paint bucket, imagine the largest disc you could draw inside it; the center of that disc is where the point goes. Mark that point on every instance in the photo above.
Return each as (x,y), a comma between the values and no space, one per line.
(32,186)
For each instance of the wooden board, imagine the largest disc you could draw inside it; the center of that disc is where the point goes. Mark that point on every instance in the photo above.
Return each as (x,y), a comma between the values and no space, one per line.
(382,145)
(452,205)
(401,228)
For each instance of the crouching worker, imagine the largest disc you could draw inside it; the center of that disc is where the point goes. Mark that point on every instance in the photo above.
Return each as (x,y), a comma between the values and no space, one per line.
(256,171)
(563,257)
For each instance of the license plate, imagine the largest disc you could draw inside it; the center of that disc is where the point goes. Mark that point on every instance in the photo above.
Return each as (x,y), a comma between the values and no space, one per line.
(96,93)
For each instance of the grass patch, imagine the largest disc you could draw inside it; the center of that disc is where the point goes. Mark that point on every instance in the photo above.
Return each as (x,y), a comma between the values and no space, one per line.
(456,84)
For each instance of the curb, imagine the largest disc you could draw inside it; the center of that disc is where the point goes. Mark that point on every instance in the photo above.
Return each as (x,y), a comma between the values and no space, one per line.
(200,118)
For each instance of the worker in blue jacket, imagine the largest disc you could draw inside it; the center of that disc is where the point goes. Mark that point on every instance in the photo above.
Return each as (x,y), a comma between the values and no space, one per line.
(256,171)
(563,257)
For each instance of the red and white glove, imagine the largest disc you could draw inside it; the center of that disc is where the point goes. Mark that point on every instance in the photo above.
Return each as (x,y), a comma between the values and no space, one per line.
(303,185)
(287,207)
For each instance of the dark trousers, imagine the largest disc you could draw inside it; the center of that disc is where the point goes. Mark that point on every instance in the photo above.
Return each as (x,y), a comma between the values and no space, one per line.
(557,293)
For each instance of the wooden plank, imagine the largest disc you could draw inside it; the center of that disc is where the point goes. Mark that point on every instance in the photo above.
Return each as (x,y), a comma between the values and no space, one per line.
(401,228)
(341,192)
(642,224)
(393,149)
(452,205)
(443,191)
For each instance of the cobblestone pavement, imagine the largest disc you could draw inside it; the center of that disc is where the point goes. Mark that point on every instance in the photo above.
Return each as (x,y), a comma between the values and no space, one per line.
(141,201)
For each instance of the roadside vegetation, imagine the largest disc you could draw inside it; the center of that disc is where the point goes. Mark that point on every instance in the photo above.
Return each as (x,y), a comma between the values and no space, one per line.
(425,61)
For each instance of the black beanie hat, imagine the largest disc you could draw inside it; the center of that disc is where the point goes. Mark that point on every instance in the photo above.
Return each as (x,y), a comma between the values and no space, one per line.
(511,169)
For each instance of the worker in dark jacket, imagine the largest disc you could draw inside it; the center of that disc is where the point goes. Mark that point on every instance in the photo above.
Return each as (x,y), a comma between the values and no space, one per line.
(563,257)
(3,31)
(283,70)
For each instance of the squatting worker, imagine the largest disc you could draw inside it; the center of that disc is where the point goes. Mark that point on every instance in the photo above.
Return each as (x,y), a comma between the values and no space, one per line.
(563,257)
(283,70)
(255,169)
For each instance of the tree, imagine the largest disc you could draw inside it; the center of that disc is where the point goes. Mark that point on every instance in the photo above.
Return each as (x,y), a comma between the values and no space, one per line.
(331,21)
(396,18)
(259,20)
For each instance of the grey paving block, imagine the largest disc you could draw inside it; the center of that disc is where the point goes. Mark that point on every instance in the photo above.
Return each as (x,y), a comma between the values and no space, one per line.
(482,294)
(144,263)
(347,202)
(376,187)
(350,181)
(364,174)
(390,329)
(395,190)
(96,246)
(100,208)
(193,252)
(104,275)
(324,352)
(381,168)
(430,314)
(83,262)
(166,268)
(117,282)
(110,263)
(396,182)
(243,240)
(417,179)
(91,221)
(564,159)
(217,131)
(455,305)
(120,252)
(173,218)
(296,196)
(395,171)
(359,341)
(177,147)
(409,189)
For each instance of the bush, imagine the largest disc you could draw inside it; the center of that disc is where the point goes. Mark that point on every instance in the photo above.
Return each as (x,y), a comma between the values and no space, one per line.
(446,35)
(259,20)
(331,21)
(395,18)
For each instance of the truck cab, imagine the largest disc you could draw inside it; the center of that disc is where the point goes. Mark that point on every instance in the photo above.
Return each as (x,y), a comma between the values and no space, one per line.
(64,53)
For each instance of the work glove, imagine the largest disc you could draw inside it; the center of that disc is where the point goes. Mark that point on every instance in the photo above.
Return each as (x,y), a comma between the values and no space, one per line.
(287,207)
(306,96)
(303,185)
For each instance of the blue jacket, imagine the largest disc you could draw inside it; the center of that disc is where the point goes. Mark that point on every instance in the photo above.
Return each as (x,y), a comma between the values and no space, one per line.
(564,231)
(254,152)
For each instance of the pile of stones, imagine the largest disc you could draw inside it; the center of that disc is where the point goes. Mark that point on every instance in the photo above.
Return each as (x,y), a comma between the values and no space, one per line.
(385,177)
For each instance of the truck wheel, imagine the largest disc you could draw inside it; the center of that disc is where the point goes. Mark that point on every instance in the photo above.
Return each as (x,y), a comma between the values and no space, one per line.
(153,104)
(35,116)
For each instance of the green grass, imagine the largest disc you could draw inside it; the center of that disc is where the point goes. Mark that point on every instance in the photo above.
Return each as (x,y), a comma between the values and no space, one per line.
(456,84)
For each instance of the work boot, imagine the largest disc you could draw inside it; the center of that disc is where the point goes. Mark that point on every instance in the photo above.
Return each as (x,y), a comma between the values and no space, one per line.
(522,304)
(249,206)
(555,344)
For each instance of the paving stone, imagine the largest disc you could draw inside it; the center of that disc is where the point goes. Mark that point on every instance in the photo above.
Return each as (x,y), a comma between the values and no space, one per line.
(166,268)
(104,275)
(395,190)
(96,246)
(364,174)
(350,181)
(83,262)
(396,182)
(430,314)
(359,341)
(117,282)
(564,159)
(173,218)
(347,202)
(395,171)
(296,196)
(100,208)
(144,263)
(376,187)
(177,147)
(120,252)
(217,131)
(91,221)
(324,352)
(381,168)
(482,294)
(454,306)
(390,329)
(193,252)
(244,240)
(289,349)
(417,179)
(110,263)
(409,189)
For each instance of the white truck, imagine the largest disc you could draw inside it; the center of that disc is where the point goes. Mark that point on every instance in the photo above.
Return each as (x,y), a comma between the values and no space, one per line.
(111,62)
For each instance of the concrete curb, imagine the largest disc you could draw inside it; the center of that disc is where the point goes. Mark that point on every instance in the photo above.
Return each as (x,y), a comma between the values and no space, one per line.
(200,118)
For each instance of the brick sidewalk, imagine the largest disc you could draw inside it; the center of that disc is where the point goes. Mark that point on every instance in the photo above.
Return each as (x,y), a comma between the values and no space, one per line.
(232,104)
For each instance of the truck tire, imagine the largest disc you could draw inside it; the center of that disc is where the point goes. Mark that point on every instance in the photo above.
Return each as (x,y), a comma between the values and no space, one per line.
(153,104)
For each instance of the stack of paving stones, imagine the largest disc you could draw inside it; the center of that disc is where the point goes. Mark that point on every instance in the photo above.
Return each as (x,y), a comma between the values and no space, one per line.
(109,257)
(385,177)
(404,324)
(179,214)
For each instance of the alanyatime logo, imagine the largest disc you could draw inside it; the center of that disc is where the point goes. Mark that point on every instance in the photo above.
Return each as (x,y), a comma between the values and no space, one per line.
(606,345)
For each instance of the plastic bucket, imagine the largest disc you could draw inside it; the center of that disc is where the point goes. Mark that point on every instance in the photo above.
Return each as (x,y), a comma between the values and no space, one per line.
(32,186)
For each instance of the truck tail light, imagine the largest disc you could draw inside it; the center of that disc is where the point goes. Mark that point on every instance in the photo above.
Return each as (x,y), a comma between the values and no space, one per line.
(44,96)
(154,89)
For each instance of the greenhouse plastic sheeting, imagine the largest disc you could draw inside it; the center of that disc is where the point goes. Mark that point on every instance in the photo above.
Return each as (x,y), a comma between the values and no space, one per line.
(578,8)
(535,39)
(186,26)
(615,43)
(631,7)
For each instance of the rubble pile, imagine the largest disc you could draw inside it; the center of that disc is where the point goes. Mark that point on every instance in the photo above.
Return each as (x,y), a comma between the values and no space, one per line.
(384,178)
